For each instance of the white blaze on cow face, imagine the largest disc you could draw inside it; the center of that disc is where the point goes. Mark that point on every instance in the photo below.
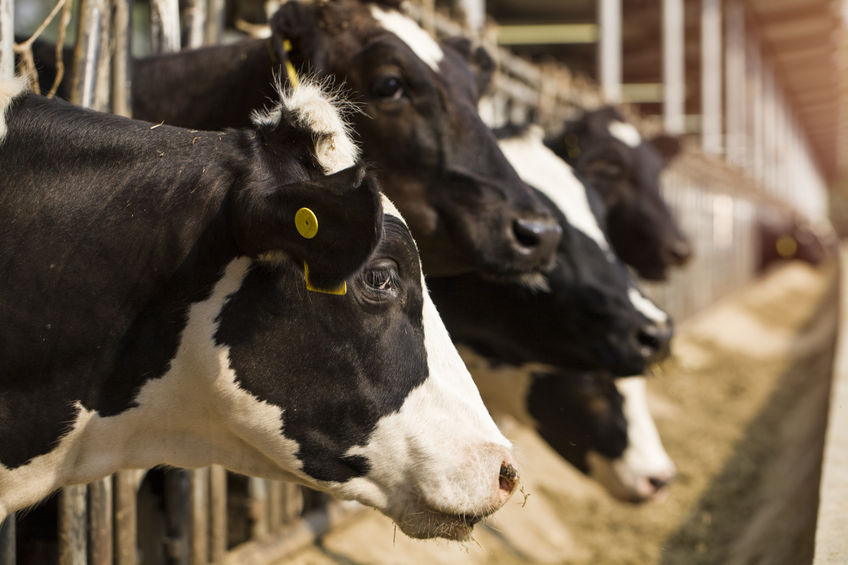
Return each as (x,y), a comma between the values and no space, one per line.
(646,307)
(421,43)
(644,468)
(315,108)
(9,90)
(625,133)
(540,167)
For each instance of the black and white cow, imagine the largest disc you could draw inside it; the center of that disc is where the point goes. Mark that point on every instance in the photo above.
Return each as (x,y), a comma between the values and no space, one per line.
(418,123)
(180,297)
(600,425)
(586,313)
(612,156)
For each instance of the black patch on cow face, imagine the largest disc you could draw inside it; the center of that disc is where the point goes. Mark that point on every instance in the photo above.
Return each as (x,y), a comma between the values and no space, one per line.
(278,335)
(642,229)
(576,413)
(420,129)
(585,322)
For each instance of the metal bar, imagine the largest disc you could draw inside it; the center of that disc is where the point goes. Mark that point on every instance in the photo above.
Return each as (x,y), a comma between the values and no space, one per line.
(121,57)
(711,76)
(218,512)
(214,21)
(735,83)
(275,505)
(292,501)
(674,62)
(195,23)
(475,14)
(537,34)
(7,541)
(87,52)
(199,516)
(164,26)
(609,49)
(73,549)
(7,39)
(257,490)
(103,84)
(100,522)
(126,520)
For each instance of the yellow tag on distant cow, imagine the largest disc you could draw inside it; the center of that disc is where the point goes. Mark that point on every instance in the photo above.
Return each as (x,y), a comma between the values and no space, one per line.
(340,290)
(306,223)
(786,246)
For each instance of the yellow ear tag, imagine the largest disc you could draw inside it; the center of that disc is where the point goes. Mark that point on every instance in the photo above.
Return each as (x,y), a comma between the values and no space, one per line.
(287,46)
(340,290)
(306,223)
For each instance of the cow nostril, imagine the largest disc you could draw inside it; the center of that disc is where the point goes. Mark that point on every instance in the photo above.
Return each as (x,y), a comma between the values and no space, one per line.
(526,233)
(658,483)
(680,252)
(508,478)
(647,337)
(654,341)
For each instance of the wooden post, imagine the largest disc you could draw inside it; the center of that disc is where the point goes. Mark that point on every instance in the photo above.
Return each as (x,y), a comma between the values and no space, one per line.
(674,61)
(7,541)
(195,22)
(100,522)
(87,52)
(103,84)
(711,76)
(121,76)
(257,491)
(126,520)
(214,21)
(609,49)
(734,83)
(73,548)
(7,39)
(164,26)
(755,109)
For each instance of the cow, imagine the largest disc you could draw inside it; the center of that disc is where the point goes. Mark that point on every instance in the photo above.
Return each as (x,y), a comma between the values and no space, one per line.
(784,235)
(612,156)
(602,426)
(586,313)
(418,122)
(244,298)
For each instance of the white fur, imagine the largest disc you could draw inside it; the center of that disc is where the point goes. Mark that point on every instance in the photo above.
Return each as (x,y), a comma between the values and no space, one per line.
(625,133)
(390,208)
(645,457)
(646,307)
(318,110)
(441,450)
(9,90)
(421,42)
(540,167)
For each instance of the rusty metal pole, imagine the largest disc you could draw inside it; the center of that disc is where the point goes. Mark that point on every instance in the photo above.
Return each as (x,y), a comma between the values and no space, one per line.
(73,546)
(195,23)
(7,39)
(214,21)
(164,26)
(7,541)
(87,52)
(121,57)
(100,521)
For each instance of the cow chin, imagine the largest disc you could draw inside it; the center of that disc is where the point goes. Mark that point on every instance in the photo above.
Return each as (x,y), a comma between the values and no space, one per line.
(421,522)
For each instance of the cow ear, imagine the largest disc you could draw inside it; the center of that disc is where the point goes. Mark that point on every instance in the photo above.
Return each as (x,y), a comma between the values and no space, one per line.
(481,62)
(296,35)
(669,146)
(329,226)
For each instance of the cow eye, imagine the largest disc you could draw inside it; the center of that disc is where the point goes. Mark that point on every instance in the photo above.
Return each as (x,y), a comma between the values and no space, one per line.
(388,86)
(382,278)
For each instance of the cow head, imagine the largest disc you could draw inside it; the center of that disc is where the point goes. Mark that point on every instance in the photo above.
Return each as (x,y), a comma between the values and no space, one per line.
(604,428)
(585,312)
(420,128)
(625,169)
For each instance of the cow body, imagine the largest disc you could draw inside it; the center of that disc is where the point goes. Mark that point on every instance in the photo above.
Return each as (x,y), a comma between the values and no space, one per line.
(625,169)
(160,306)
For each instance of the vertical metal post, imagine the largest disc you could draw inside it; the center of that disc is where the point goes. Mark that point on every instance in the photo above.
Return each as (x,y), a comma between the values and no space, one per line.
(755,109)
(164,26)
(126,518)
(257,491)
(103,84)
(7,39)
(475,14)
(73,547)
(609,49)
(711,76)
(87,52)
(214,21)
(734,82)
(218,513)
(100,521)
(195,23)
(768,131)
(7,541)
(674,66)
(121,57)
(199,516)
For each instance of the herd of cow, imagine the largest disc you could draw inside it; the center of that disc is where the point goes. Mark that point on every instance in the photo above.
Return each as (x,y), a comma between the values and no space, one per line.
(231,277)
